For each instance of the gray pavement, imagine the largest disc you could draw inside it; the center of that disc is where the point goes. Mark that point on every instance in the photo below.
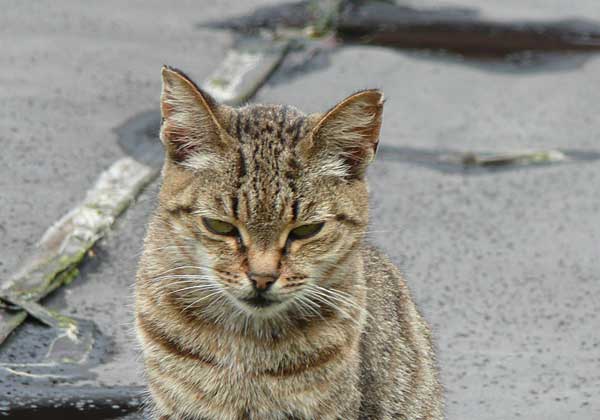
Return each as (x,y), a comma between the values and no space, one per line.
(504,263)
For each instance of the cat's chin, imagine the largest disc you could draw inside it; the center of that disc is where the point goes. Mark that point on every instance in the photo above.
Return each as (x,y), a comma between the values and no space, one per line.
(260,302)
(260,306)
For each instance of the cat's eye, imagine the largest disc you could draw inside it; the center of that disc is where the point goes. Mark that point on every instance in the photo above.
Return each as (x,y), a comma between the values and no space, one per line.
(306,231)
(219,227)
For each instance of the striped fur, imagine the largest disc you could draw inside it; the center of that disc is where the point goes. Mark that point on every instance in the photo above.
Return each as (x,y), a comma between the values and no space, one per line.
(344,340)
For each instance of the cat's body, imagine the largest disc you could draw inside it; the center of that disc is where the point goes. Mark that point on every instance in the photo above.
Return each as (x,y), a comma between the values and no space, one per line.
(256,297)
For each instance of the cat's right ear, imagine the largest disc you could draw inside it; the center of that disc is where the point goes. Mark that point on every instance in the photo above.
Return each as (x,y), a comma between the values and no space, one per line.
(344,140)
(190,126)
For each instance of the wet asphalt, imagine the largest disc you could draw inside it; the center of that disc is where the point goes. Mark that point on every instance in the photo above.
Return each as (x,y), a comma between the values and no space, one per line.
(503,262)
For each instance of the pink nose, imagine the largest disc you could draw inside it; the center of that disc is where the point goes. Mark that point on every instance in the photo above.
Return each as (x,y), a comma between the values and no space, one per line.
(261,281)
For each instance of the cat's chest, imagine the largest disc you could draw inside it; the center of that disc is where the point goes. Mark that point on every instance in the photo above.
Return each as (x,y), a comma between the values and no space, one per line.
(228,393)
(254,383)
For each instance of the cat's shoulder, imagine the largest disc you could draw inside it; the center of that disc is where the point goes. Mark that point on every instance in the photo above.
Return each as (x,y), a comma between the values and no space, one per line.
(389,297)
(379,270)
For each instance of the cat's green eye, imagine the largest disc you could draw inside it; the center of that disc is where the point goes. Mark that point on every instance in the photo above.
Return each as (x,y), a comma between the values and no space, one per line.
(219,227)
(306,231)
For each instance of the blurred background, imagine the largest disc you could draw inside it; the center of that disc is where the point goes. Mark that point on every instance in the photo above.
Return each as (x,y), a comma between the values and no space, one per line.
(485,191)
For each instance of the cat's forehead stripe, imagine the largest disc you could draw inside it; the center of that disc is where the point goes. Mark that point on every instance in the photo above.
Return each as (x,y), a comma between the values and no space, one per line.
(264,122)
(267,166)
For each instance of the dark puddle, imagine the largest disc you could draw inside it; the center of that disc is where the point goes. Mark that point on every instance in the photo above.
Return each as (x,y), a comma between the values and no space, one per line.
(40,370)
(31,388)
(36,384)
(457,34)
(461,30)
(138,137)
(75,403)
(49,356)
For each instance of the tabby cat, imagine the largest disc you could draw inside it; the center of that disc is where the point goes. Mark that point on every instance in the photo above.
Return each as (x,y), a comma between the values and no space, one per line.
(256,296)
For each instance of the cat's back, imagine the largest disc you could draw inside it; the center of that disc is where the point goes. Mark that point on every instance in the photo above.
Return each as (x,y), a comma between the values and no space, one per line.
(398,372)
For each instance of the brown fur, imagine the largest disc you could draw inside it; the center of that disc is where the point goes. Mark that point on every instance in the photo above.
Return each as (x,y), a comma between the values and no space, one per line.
(344,341)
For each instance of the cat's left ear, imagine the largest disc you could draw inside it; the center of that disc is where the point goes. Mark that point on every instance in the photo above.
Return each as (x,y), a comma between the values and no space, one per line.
(349,132)
(191,125)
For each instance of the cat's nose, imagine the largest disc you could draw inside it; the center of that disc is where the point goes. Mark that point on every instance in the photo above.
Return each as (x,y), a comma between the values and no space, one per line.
(263,266)
(261,281)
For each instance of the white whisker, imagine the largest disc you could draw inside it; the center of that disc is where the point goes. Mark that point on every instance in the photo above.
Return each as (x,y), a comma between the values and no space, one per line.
(326,299)
(195,287)
(194,303)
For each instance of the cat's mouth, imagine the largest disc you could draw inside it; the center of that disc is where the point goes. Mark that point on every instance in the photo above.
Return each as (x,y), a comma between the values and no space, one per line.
(259,301)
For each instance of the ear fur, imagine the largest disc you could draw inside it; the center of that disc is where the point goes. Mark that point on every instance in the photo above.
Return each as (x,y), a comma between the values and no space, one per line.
(347,135)
(190,127)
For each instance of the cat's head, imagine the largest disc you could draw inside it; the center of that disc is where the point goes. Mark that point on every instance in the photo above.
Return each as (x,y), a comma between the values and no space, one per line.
(267,204)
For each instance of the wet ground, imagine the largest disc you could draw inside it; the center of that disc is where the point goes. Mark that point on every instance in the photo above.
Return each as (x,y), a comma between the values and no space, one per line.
(502,261)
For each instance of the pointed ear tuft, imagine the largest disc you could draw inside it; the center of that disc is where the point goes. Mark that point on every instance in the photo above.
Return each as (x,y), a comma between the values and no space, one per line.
(349,132)
(189,117)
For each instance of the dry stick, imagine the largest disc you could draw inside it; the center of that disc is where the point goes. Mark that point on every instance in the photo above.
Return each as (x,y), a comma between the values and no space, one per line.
(64,245)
